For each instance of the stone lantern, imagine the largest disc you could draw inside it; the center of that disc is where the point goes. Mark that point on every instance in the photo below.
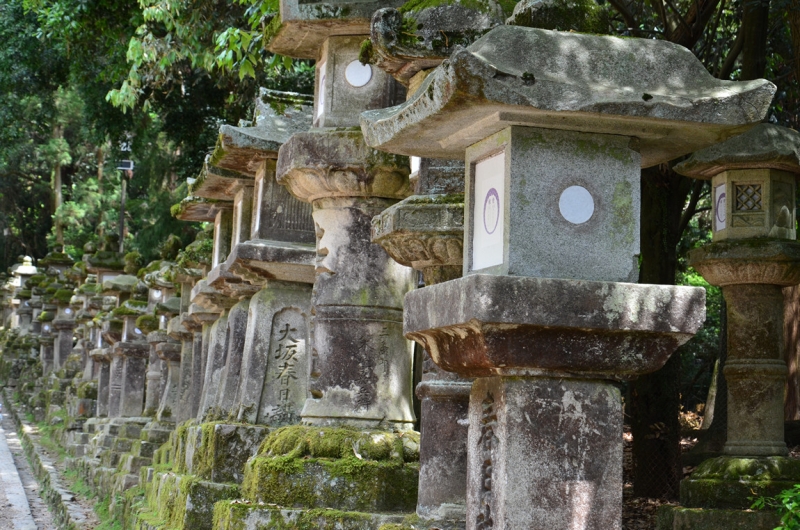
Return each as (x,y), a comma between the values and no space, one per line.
(553,142)
(274,266)
(361,368)
(753,255)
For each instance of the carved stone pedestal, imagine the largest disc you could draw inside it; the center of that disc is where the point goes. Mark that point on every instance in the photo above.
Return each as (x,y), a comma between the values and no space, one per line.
(361,369)
(545,417)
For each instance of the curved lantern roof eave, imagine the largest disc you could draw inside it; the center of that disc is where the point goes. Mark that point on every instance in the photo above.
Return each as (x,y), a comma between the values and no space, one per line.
(655,92)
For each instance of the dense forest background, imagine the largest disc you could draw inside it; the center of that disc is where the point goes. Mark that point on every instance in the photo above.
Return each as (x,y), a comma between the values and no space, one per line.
(85,84)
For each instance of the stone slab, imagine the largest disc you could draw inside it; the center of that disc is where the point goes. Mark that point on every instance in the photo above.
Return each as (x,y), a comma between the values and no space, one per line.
(651,90)
(765,146)
(241,149)
(304,27)
(259,260)
(544,453)
(678,518)
(476,325)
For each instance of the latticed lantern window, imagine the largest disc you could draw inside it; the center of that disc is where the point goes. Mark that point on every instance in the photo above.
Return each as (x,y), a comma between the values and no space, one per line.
(748,197)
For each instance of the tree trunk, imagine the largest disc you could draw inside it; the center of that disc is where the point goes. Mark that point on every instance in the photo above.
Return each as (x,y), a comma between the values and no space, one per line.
(58,198)
(655,398)
(755,25)
(794,26)
(100,163)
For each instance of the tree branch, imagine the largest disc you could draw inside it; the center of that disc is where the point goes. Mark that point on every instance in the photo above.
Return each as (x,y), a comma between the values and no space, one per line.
(730,60)
(691,208)
(627,16)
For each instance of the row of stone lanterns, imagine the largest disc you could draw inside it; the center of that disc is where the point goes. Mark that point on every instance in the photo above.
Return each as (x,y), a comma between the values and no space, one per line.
(525,258)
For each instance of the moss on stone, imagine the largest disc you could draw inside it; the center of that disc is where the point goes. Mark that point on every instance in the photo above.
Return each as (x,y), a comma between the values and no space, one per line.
(63,296)
(483,6)
(106,260)
(130,308)
(233,515)
(87,390)
(147,323)
(366,55)
(584,16)
(316,467)
(443,198)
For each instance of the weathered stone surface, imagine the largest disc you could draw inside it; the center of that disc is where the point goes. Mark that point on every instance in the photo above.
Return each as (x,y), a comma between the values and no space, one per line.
(544,453)
(275,370)
(304,27)
(229,285)
(134,374)
(754,261)
(651,90)
(215,343)
(728,482)
(425,232)
(218,183)
(342,165)
(444,426)
(345,469)
(437,176)
(761,204)
(230,375)
(277,215)
(197,209)
(583,16)
(527,233)
(223,225)
(259,261)
(752,273)
(278,116)
(482,334)
(677,518)
(170,355)
(235,514)
(765,146)
(407,42)
(345,87)
(362,369)
(218,451)
(206,297)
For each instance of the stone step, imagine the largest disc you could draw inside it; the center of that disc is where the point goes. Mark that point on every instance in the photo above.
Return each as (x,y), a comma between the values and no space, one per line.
(235,515)
(145,449)
(183,501)
(77,449)
(679,518)
(218,452)
(132,463)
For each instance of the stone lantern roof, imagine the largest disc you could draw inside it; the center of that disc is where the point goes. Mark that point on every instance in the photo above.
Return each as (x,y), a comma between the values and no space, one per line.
(302,27)
(199,209)
(278,116)
(765,146)
(653,91)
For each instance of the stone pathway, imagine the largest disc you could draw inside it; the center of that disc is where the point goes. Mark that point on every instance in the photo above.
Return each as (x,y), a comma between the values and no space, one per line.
(15,512)
(38,507)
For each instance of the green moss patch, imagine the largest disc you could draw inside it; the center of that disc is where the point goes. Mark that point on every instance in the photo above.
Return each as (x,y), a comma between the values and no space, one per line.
(322,467)
(147,323)
(238,515)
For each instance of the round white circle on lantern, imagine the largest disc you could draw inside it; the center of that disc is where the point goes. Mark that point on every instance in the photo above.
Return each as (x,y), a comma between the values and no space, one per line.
(358,74)
(68,311)
(156,293)
(137,331)
(576,204)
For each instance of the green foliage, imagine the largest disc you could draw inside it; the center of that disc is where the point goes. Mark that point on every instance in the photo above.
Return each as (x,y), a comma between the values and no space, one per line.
(786,503)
